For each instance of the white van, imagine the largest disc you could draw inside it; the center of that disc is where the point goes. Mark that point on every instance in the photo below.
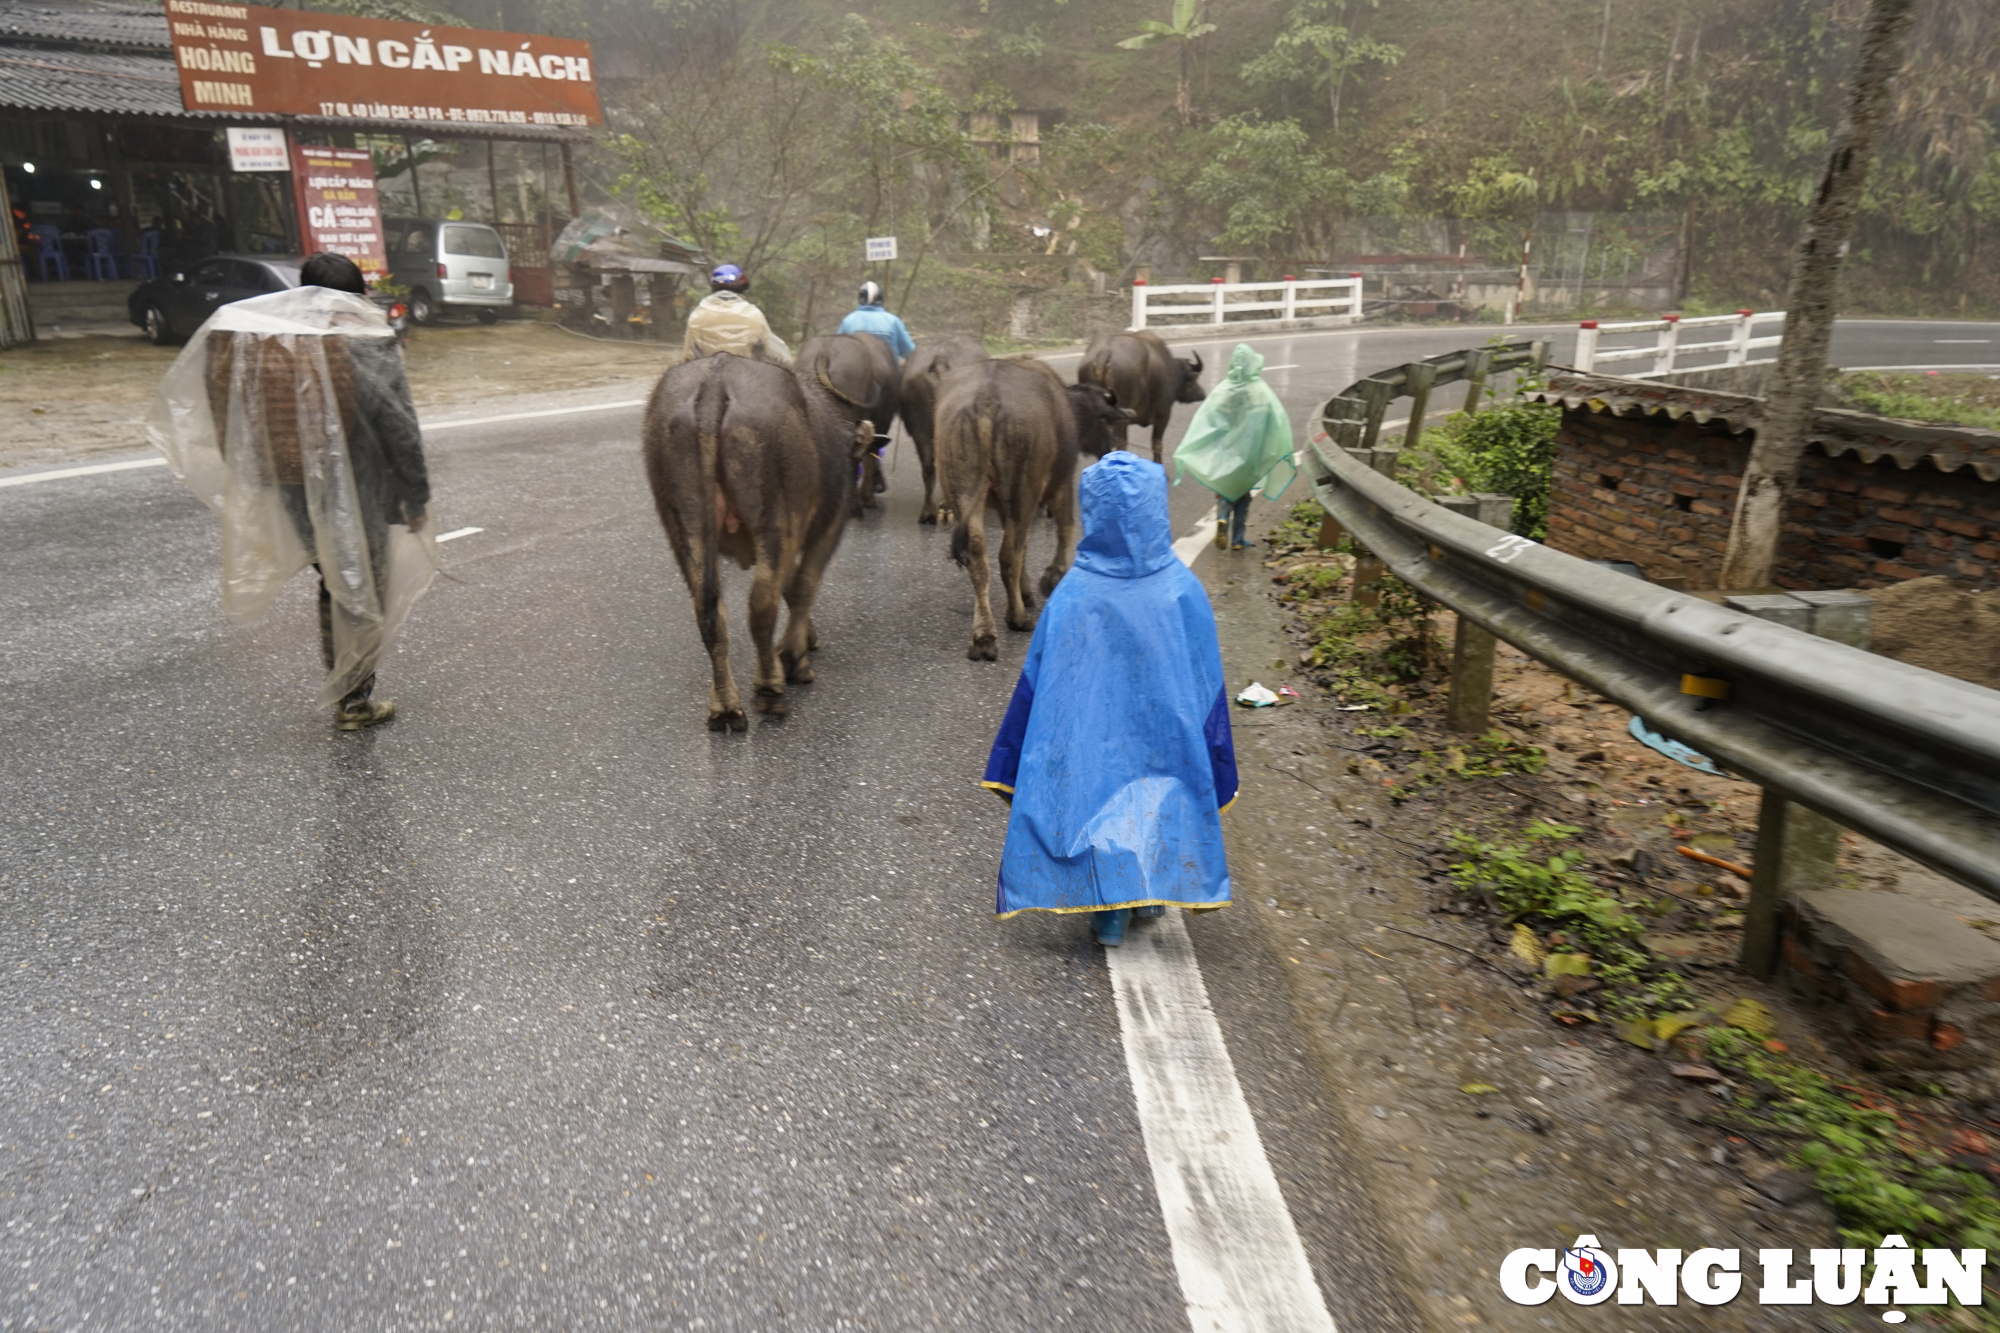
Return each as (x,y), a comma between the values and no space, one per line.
(449,266)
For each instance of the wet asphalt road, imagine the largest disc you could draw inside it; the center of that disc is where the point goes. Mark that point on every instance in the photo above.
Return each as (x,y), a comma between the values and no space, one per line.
(542,1006)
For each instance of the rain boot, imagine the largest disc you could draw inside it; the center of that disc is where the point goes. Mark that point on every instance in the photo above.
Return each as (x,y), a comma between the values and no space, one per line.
(1110,926)
(1150,912)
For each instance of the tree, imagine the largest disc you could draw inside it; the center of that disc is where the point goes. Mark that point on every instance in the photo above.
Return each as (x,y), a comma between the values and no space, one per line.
(1184,31)
(1318,48)
(1276,190)
(1772,475)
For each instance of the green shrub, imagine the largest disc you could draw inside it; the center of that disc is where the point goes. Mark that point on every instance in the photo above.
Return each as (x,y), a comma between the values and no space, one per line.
(1510,448)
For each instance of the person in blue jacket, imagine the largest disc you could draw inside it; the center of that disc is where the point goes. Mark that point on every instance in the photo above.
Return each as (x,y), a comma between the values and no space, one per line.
(870,317)
(1115,754)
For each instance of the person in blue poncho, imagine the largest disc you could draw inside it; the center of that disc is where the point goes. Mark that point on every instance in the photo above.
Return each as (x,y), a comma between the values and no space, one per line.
(868,316)
(1115,754)
(1240,439)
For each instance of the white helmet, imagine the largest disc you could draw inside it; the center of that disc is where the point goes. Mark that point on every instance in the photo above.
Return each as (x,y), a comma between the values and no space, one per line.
(871,294)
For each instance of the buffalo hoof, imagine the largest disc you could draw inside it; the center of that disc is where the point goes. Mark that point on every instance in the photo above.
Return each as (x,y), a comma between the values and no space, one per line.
(798,669)
(929,517)
(729,720)
(1050,578)
(772,702)
(1021,623)
(984,650)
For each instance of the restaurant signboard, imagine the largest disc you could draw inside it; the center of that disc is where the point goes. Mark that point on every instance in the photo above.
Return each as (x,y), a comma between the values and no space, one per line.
(338,209)
(300,62)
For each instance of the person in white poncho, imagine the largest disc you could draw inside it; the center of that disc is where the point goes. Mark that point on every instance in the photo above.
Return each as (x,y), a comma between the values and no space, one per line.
(290,416)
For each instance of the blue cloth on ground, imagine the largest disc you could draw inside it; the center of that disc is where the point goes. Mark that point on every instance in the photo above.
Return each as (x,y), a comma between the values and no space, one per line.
(1116,744)
(889,328)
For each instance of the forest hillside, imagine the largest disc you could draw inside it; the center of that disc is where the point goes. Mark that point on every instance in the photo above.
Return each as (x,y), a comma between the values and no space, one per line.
(1673,141)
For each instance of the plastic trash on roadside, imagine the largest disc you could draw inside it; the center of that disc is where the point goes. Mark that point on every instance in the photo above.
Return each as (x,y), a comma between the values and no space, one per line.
(1256,696)
(1240,438)
(1672,749)
(275,415)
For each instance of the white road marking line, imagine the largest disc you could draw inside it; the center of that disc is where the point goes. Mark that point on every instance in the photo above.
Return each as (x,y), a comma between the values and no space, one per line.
(92,470)
(456,533)
(1242,1266)
(1963,342)
(1961,365)
(1289,365)
(1192,545)
(524,416)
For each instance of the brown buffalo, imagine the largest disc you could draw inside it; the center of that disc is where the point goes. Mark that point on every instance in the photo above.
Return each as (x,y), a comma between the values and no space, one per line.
(860,371)
(750,461)
(1008,436)
(921,373)
(1143,375)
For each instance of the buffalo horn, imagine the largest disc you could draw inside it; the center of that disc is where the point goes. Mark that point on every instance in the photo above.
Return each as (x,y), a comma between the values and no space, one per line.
(1197,363)
(819,373)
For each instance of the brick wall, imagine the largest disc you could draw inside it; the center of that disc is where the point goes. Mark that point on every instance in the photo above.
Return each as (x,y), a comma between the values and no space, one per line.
(1660,492)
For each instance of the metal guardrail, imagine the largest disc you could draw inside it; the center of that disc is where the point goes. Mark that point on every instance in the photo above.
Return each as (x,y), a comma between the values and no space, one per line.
(1222,304)
(1668,349)
(1909,757)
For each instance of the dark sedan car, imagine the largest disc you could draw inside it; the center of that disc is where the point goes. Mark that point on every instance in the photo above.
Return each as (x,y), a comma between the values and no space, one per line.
(172,307)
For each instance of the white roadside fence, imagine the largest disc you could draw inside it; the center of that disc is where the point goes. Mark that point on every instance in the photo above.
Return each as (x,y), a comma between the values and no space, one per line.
(1246,305)
(1668,353)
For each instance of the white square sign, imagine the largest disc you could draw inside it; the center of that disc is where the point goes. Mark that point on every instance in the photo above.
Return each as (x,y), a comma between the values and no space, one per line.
(258,150)
(881,248)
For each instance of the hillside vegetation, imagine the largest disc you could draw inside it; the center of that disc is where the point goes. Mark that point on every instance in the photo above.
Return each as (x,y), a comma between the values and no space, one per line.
(784,130)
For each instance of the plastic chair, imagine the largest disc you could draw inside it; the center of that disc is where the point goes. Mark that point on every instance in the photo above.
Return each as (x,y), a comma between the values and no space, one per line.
(147,261)
(49,237)
(104,252)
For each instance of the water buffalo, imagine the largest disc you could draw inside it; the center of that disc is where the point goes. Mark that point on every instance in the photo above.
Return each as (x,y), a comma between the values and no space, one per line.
(926,366)
(860,371)
(1008,436)
(750,461)
(1143,375)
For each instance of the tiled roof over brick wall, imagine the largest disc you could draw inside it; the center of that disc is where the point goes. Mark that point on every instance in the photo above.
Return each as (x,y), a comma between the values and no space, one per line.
(1835,431)
(38,79)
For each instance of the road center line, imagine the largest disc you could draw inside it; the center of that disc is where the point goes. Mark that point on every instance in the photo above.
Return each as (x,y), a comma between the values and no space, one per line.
(92,470)
(1241,1264)
(1192,545)
(524,416)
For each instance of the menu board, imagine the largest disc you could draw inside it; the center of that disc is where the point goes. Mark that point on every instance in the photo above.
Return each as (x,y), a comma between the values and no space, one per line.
(338,209)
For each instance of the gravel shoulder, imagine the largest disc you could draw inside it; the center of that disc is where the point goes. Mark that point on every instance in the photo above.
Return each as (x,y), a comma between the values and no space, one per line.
(1406,1007)
(71,399)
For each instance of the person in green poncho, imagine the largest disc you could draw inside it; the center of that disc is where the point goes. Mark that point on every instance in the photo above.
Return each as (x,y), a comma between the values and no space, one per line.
(1240,439)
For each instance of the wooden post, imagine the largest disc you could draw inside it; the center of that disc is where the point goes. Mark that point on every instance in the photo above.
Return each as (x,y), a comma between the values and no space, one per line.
(569,182)
(1478,365)
(492,182)
(1797,848)
(1417,379)
(1366,589)
(1469,707)
(416,186)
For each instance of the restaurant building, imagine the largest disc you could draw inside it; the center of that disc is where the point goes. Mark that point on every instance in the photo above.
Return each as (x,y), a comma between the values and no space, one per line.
(117,160)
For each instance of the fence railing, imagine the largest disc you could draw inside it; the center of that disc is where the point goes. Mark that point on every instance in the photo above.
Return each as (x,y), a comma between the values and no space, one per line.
(1668,351)
(1906,756)
(1247,304)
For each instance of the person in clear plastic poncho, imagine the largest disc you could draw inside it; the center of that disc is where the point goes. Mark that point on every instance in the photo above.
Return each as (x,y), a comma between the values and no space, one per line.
(289,415)
(1240,439)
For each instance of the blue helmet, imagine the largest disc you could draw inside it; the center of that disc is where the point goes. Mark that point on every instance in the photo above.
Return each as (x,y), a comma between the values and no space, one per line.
(728,277)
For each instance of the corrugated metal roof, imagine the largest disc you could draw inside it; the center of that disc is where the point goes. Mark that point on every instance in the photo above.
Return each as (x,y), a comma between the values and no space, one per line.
(1835,431)
(124,26)
(44,80)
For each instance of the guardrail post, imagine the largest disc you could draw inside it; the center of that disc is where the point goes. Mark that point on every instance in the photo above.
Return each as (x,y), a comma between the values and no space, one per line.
(1357,296)
(1478,365)
(1368,567)
(1797,848)
(1739,346)
(1138,304)
(1670,338)
(1586,346)
(1291,311)
(1418,377)
(1377,396)
(1219,290)
(1469,706)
